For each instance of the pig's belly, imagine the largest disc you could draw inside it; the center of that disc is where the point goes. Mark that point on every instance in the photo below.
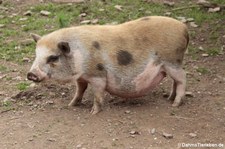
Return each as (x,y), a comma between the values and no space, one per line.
(130,88)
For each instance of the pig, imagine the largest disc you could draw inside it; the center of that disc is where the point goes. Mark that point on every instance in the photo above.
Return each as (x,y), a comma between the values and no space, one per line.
(127,60)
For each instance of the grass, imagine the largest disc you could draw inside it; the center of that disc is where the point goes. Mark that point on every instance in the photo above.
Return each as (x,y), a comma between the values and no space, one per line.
(6,103)
(202,70)
(22,86)
(3,68)
(64,15)
(213,51)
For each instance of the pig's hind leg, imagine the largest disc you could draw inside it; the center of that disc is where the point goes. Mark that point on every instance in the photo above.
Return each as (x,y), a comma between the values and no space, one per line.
(80,89)
(178,90)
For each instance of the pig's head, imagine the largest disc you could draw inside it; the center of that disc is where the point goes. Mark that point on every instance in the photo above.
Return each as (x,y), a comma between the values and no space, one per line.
(53,60)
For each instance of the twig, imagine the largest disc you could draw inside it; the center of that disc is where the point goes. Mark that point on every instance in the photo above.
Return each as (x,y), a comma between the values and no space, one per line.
(3,111)
(188,7)
(180,117)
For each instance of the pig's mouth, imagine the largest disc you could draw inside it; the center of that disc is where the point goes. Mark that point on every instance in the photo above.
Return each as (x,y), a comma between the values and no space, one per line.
(32,77)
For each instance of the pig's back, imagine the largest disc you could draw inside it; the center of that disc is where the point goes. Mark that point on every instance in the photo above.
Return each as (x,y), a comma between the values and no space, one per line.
(121,52)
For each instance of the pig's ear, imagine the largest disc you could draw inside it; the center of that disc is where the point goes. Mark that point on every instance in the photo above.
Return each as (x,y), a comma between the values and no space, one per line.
(64,47)
(35,37)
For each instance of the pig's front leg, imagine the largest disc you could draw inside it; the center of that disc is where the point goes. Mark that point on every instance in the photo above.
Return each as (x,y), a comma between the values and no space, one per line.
(80,89)
(98,86)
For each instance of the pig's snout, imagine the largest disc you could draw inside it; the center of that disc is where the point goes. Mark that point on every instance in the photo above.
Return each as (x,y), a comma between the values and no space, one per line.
(31,76)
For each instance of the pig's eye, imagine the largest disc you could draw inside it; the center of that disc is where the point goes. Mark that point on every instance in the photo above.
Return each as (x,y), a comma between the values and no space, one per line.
(52,58)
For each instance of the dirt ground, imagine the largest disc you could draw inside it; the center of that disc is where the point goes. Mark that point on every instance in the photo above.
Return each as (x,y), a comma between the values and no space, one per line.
(39,117)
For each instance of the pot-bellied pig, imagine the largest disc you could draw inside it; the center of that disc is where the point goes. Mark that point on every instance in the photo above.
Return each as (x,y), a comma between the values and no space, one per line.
(127,60)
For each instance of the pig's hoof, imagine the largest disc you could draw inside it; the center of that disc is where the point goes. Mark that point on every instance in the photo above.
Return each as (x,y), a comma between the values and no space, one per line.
(95,110)
(171,98)
(74,103)
(176,104)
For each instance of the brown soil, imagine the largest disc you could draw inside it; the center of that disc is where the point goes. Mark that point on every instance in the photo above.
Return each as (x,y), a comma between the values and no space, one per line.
(40,118)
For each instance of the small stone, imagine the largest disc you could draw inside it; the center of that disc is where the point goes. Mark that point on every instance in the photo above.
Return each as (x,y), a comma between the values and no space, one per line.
(182,19)
(148,12)
(101,9)
(192,135)
(201,48)
(133,132)
(79,146)
(32,85)
(26,42)
(51,139)
(127,111)
(202,39)
(167,135)
(118,7)
(168,3)
(85,22)
(115,139)
(168,14)
(190,19)
(189,94)
(202,2)
(2,25)
(153,131)
(22,19)
(192,24)
(2,76)
(50,102)
(216,9)
(45,13)
(30,104)
(94,21)
(26,59)
(83,15)
(31,139)
(27,13)
(205,55)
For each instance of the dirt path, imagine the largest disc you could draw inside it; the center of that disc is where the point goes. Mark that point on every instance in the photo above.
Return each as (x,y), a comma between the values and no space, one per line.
(41,118)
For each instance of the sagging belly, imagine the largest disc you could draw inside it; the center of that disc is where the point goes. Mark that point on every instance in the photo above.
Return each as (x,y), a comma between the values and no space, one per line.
(135,87)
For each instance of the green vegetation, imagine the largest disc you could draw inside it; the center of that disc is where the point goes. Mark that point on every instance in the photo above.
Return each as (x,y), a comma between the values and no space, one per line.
(6,103)
(64,15)
(202,70)
(22,86)
(2,68)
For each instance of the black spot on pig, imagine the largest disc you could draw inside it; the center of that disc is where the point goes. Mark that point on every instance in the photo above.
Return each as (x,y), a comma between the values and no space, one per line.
(100,67)
(179,61)
(124,57)
(96,45)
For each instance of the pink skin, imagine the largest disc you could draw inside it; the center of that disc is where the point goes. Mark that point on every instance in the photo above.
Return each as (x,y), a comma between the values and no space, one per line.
(98,86)
(179,84)
(144,82)
(39,73)
(149,78)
